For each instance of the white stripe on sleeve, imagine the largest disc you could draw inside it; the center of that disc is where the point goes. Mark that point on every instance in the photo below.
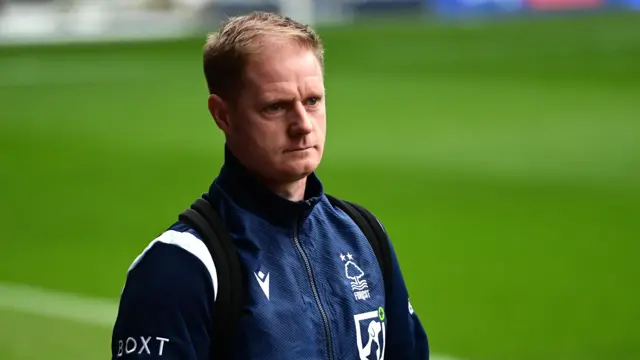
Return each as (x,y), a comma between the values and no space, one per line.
(187,242)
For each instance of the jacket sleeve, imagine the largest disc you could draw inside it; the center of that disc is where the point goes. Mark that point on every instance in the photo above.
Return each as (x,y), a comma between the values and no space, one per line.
(407,339)
(166,304)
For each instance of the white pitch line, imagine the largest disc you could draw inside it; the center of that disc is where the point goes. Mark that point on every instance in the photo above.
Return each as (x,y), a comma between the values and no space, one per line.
(72,307)
(32,300)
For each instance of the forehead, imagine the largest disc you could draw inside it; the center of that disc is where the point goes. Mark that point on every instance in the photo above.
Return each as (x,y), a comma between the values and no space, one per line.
(280,67)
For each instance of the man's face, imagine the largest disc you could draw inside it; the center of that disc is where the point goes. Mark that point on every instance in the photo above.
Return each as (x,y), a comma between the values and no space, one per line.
(277,126)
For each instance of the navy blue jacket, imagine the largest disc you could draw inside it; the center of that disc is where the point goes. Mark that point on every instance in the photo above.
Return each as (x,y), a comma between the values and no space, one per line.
(315,288)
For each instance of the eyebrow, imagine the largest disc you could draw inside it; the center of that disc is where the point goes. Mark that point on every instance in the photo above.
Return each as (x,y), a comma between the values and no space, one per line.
(282,94)
(272,98)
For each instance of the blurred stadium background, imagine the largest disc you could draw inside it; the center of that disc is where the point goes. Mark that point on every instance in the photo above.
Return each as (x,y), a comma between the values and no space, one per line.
(498,140)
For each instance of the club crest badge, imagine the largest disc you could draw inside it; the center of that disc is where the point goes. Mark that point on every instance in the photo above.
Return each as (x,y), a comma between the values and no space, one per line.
(353,272)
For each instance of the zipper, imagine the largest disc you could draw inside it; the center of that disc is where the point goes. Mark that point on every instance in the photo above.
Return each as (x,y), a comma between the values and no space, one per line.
(307,264)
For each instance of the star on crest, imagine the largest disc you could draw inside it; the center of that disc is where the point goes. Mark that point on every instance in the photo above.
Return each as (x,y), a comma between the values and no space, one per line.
(344,257)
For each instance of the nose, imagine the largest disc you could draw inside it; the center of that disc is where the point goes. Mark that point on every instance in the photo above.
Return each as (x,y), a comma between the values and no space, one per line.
(301,122)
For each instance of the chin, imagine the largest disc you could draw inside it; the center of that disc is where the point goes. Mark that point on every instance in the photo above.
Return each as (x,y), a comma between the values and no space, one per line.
(299,169)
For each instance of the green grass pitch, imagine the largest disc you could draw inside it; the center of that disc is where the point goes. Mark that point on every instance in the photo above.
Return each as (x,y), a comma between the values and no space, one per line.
(504,159)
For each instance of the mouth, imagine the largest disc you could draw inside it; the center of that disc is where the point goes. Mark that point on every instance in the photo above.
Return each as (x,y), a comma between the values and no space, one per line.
(298,149)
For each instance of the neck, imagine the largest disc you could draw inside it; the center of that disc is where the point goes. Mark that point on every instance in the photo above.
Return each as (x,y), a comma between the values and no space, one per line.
(292,191)
(279,202)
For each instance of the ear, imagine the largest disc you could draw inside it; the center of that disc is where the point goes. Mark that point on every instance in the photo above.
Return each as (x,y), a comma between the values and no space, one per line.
(219,110)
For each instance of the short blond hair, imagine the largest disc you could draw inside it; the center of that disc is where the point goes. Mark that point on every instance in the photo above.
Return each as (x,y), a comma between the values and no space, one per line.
(227,50)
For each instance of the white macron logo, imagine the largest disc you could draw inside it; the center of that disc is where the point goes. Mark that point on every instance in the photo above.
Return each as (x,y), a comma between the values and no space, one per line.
(263,280)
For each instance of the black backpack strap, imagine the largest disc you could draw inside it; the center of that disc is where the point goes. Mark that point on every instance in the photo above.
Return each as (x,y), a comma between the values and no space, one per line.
(206,221)
(372,229)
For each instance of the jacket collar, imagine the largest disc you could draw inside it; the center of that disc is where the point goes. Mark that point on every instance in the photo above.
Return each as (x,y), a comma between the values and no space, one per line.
(250,194)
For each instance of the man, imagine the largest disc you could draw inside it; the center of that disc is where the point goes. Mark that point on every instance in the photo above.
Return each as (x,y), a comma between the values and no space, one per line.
(314,286)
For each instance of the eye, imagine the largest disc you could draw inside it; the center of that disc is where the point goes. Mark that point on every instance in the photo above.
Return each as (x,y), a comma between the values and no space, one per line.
(274,107)
(312,101)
